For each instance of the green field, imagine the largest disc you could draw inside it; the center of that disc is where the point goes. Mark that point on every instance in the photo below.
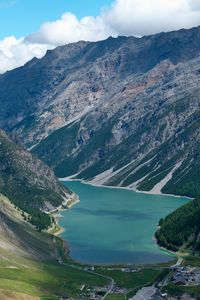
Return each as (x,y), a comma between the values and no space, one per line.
(193,261)
(133,280)
(47,279)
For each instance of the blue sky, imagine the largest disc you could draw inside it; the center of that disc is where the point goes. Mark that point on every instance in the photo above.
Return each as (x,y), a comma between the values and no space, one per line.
(21,17)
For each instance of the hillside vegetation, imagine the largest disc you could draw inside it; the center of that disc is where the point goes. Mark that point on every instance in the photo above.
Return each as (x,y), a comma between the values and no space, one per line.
(18,237)
(181,229)
(29,183)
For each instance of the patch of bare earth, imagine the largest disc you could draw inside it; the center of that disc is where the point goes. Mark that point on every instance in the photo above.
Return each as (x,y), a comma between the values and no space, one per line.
(6,295)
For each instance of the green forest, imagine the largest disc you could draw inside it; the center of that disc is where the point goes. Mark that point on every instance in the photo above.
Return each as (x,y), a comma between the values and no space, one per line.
(181,228)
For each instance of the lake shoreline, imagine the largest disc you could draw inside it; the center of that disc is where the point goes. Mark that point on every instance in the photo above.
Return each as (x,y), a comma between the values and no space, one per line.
(167,252)
(71,178)
(68,203)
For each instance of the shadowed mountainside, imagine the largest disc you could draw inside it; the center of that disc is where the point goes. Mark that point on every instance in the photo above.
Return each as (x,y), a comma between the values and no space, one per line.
(28,182)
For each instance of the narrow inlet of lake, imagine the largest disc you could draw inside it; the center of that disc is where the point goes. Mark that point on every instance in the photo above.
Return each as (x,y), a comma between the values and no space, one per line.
(115,226)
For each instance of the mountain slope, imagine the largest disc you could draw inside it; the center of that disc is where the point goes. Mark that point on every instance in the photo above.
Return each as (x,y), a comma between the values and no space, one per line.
(18,237)
(122,111)
(29,184)
(181,229)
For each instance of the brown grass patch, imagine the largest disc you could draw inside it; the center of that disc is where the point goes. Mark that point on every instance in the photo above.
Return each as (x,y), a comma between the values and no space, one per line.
(6,295)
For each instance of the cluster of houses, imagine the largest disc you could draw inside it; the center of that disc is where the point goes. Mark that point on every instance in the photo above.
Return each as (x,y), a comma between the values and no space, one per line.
(186,276)
(92,293)
(119,290)
(65,297)
(96,293)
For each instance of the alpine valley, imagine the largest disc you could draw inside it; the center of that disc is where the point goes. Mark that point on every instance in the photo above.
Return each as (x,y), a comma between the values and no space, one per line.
(123,112)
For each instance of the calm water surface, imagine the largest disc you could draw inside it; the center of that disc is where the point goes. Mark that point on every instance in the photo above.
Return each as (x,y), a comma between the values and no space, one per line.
(112,226)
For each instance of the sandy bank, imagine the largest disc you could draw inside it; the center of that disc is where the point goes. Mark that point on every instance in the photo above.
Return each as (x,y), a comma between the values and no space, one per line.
(133,189)
(68,203)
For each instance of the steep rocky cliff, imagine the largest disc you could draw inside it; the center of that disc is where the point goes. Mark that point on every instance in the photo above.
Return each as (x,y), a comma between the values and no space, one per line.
(122,111)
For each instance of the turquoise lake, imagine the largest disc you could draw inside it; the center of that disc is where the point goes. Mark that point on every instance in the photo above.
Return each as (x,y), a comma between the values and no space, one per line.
(113,226)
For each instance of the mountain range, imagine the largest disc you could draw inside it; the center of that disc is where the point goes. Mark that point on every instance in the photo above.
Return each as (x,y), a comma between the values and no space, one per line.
(124,111)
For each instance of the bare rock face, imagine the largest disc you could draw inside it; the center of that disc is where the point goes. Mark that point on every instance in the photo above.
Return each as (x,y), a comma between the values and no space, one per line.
(125,108)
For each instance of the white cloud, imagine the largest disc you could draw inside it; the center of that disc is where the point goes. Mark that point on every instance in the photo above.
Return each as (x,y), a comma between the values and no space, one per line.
(143,17)
(16,52)
(123,17)
(69,29)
